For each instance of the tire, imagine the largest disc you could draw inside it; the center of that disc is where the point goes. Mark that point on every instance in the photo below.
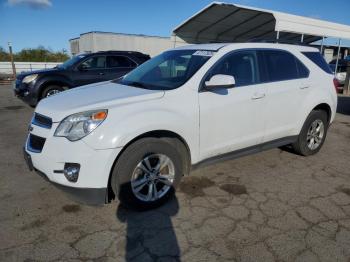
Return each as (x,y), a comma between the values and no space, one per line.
(129,172)
(303,145)
(51,90)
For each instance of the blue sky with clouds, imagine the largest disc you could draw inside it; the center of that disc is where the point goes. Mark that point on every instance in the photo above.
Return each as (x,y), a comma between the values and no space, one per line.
(51,23)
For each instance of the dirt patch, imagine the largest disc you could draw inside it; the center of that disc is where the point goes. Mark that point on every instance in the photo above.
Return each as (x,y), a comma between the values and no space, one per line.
(71,208)
(72,229)
(35,224)
(345,123)
(193,186)
(345,191)
(234,189)
(222,200)
(13,107)
(272,165)
(6,196)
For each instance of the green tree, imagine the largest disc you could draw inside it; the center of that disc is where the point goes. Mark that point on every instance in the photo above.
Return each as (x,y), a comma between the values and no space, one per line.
(4,56)
(39,54)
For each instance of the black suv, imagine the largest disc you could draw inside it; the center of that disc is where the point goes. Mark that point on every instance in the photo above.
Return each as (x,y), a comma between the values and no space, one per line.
(80,70)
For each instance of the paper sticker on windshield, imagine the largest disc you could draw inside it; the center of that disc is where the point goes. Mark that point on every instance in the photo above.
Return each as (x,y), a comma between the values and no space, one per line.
(204,53)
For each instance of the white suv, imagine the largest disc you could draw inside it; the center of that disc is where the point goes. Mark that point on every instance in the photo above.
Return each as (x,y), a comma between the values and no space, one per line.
(135,137)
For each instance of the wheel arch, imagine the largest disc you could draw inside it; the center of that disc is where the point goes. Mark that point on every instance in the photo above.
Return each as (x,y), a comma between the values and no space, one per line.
(324,107)
(64,84)
(178,141)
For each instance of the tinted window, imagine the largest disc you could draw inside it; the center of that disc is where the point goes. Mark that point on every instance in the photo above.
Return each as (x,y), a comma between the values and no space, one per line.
(342,65)
(317,58)
(280,65)
(341,69)
(119,61)
(302,69)
(96,62)
(241,65)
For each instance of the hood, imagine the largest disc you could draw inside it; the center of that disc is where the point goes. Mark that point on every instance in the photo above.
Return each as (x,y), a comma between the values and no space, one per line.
(104,95)
(41,71)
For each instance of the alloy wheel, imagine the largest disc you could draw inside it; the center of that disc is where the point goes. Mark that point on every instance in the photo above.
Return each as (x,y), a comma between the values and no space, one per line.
(153,177)
(52,92)
(315,134)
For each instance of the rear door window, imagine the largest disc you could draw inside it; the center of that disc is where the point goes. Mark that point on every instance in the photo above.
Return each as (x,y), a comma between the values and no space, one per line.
(280,65)
(317,58)
(119,61)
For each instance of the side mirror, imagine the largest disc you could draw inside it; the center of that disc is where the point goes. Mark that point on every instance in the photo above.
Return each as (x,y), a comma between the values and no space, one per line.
(225,81)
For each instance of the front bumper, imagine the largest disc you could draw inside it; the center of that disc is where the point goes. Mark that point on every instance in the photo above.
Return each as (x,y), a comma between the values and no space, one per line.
(24,92)
(95,165)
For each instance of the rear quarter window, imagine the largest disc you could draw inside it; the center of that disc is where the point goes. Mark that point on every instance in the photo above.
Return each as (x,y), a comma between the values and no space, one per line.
(302,69)
(317,58)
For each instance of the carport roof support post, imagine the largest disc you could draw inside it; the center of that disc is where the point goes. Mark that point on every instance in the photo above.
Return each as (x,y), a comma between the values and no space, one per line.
(336,64)
(322,44)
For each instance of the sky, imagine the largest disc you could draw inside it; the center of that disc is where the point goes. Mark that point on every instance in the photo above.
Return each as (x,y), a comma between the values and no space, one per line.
(51,23)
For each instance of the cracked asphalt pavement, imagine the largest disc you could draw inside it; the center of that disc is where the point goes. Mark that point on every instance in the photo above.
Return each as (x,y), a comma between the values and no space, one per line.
(272,206)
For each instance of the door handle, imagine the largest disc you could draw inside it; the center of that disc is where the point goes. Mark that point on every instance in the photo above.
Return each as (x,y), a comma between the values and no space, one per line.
(258,96)
(101,74)
(304,87)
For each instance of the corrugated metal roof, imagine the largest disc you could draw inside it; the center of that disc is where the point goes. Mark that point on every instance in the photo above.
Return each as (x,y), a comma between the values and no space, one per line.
(223,22)
(113,33)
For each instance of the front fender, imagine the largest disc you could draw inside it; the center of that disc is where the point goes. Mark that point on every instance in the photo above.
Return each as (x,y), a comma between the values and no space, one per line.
(122,126)
(47,79)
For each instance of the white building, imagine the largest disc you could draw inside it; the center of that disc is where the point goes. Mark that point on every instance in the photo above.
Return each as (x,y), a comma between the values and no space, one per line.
(104,41)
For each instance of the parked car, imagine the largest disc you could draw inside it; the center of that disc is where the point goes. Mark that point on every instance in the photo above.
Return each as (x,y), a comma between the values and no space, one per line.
(341,72)
(82,69)
(134,138)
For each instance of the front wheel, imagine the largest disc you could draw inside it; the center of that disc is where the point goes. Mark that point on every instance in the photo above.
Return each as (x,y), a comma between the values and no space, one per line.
(147,172)
(313,134)
(51,90)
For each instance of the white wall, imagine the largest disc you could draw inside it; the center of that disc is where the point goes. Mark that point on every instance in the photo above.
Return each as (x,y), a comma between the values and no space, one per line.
(97,41)
(145,44)
(6,67)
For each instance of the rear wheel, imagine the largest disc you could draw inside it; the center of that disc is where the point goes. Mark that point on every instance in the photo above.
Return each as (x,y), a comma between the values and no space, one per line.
(147,172)
(313,134)
(51,90)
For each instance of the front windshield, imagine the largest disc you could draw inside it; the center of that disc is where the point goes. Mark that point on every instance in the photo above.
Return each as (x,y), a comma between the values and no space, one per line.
(71,61)
(167,71)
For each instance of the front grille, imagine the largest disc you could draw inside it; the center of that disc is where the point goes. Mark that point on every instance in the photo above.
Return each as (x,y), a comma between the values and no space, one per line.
(42,121)
(35,143)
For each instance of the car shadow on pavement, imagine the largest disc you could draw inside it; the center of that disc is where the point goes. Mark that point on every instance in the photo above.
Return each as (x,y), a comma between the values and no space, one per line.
(150,234)
(343,105)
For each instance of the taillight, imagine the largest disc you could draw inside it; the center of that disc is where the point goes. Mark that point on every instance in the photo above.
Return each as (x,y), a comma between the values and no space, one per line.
(336,84)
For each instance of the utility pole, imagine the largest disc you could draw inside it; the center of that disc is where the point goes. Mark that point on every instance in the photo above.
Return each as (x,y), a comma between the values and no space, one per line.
(12,62)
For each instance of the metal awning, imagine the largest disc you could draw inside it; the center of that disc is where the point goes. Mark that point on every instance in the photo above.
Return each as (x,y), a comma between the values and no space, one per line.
(223,22)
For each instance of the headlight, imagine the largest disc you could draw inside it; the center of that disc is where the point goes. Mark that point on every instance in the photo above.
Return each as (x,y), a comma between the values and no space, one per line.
(76,126)
(29,78)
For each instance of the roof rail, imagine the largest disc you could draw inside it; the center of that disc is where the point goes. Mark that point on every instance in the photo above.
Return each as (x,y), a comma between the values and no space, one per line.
(277,41)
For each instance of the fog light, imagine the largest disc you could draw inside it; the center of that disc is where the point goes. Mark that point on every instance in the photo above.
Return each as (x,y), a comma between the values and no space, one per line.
(71,171)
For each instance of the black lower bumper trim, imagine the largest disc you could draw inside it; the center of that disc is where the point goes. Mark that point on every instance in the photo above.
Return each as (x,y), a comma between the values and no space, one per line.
(89,196)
